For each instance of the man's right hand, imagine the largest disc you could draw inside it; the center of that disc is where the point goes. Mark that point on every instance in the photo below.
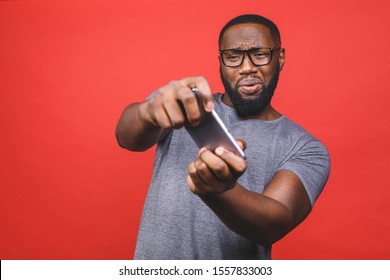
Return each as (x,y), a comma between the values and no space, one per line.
(164,108)
(142,125)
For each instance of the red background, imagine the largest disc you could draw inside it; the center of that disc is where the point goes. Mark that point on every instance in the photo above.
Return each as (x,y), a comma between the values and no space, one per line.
(68,68)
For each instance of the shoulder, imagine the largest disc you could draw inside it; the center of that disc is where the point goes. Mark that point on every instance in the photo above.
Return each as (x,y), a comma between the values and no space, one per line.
(308,158)
(293,132)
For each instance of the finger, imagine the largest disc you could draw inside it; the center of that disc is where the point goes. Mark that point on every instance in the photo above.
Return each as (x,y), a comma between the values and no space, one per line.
(180,103)
(192,185)
(216,165)
(211,184)
(204,91)
(236,163)
(174,114)
(190,180)
(162,118)
(195,183)
(164,108)
(204,173)
(190,105)
(241,143)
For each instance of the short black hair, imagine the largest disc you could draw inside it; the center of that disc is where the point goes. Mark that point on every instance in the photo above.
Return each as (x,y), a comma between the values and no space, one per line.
(252,18)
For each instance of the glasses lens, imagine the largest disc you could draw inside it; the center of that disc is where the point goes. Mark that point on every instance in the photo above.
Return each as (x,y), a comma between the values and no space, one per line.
(260,56)
(232,58)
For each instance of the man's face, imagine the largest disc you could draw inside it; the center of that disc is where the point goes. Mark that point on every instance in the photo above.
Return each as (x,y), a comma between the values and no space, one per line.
(250,88)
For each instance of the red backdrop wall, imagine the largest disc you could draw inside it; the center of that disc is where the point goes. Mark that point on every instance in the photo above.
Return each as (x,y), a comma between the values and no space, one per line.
(68,68)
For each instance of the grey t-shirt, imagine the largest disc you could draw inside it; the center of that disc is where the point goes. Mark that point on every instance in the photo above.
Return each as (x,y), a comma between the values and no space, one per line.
(176,224)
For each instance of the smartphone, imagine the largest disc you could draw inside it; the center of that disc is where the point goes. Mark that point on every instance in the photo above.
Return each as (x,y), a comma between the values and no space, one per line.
(211,132)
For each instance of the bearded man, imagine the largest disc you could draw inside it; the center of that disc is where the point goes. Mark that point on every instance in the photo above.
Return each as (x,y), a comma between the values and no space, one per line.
(214,204)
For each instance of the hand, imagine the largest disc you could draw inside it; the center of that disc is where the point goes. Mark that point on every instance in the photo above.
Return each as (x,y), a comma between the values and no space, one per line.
(164,110)
(213,173)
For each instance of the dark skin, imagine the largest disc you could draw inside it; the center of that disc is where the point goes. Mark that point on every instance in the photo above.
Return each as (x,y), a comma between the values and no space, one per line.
(263,218)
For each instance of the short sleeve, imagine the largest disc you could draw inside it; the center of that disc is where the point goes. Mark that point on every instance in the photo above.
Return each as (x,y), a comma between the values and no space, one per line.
(311,163)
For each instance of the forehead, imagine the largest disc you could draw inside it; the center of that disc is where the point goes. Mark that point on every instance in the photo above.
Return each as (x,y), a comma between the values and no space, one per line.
(246,35)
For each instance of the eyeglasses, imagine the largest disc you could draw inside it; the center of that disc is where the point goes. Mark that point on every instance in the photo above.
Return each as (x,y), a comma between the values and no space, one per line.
(259,56)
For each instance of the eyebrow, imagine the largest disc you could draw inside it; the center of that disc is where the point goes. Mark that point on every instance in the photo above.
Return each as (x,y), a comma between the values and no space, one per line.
(254,47)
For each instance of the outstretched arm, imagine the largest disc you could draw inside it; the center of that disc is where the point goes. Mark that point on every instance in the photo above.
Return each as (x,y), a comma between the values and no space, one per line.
(142,125)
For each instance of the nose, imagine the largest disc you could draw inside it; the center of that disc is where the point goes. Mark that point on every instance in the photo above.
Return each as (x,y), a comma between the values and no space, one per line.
(247,67)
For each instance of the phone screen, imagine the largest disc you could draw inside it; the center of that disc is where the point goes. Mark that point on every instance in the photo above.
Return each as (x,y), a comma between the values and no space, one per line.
(212,132)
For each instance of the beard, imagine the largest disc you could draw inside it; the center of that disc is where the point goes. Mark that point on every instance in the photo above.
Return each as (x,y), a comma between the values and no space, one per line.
(248,107)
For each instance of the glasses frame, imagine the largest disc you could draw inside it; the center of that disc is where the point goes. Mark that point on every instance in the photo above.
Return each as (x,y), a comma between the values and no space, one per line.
(247,53)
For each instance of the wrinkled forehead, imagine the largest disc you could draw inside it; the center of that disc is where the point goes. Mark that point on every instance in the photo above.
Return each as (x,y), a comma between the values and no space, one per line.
(246,35)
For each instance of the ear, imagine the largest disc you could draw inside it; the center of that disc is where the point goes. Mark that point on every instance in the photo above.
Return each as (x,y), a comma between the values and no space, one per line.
(282,58)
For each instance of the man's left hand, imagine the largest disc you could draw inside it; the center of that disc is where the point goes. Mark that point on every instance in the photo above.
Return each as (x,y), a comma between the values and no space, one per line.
(213,173)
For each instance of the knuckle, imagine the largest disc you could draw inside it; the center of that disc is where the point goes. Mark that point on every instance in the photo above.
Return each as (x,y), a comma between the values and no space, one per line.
(219,167)
(194,118)
(167,90)
(161,91)
(187,97)
(204,153)
(151,105)
(202,168)
(194,190)
(173,83)
(160,96)
(242,167)
(191,169)
(177,121)
(165,125)
(199,79)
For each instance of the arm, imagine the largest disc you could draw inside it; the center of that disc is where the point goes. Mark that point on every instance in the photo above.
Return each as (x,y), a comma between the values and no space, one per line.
(136,131)
(263,218)
(142,125)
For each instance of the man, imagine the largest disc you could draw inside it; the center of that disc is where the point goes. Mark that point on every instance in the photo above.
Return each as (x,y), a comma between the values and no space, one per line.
(214,204)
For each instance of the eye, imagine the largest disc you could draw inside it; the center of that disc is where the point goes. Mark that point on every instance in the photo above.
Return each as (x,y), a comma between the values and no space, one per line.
(232,55)
(259,54)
